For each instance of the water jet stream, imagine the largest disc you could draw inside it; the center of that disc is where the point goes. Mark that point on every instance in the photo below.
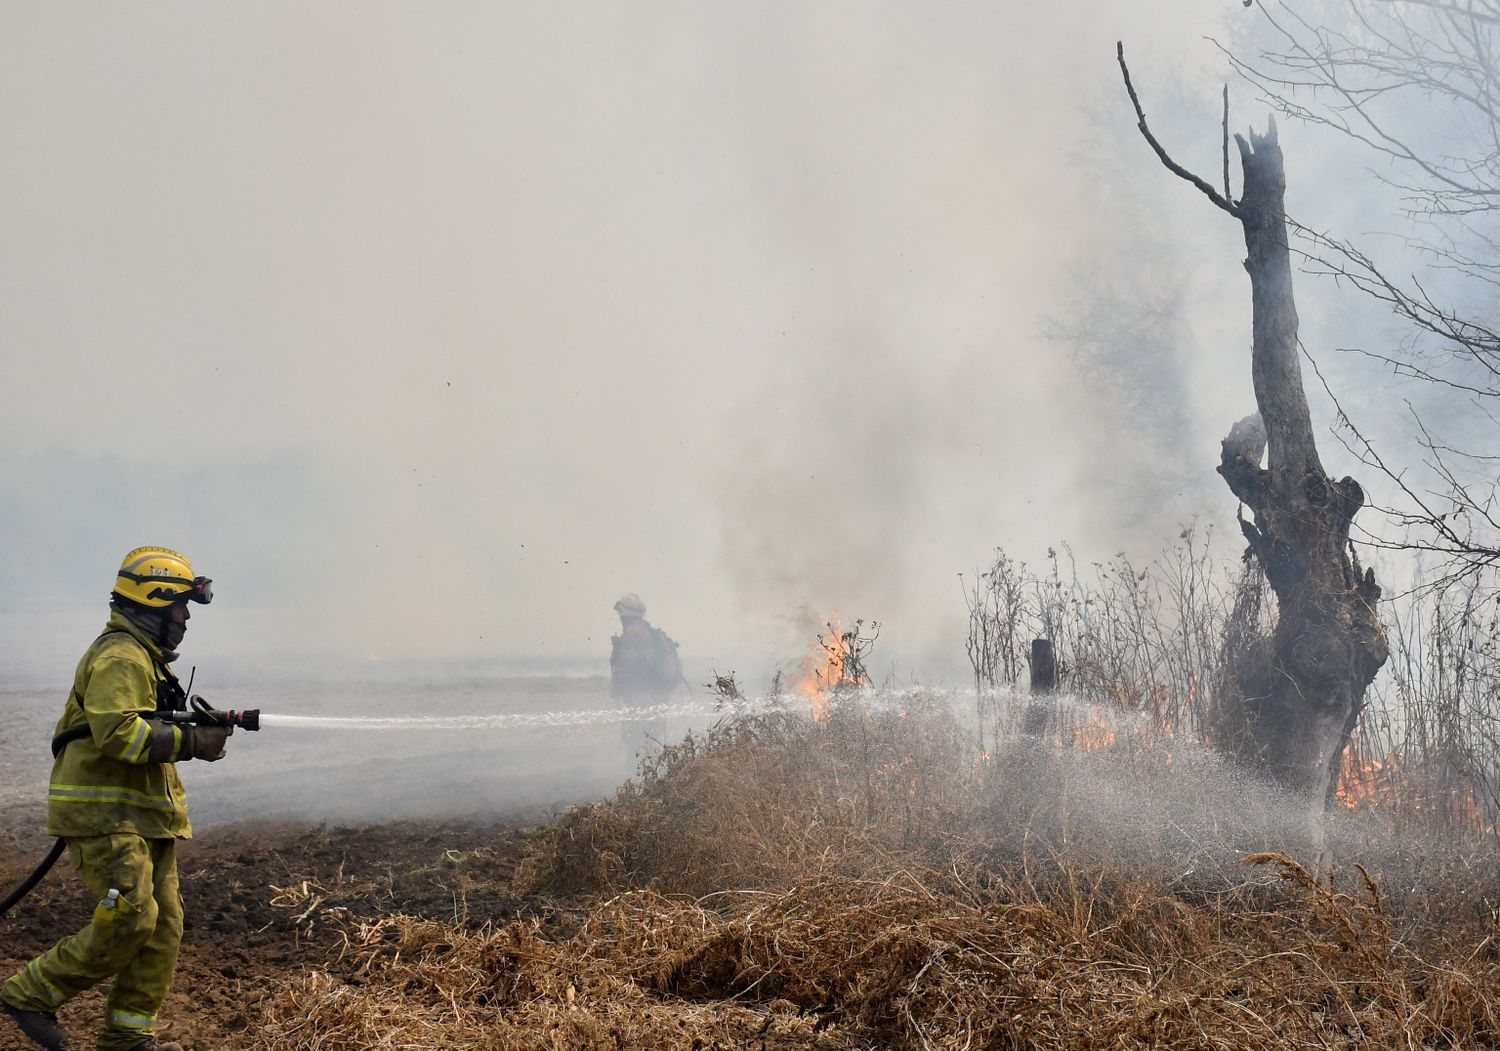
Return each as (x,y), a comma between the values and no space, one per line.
(508,720)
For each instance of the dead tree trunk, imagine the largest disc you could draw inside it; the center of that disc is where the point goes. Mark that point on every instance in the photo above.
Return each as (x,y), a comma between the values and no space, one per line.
(1301,691)
(1043,667)
(1302,702)
(1043,686)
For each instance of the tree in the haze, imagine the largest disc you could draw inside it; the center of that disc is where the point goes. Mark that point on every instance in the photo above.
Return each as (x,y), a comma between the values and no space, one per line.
(1417,85)
(1299,690)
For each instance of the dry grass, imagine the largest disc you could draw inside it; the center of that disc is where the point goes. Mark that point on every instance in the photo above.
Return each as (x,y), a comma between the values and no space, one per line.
(874,882)
(758,799)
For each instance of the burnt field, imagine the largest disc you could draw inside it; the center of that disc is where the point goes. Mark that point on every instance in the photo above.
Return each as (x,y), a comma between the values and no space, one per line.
(239,946)
(870,879)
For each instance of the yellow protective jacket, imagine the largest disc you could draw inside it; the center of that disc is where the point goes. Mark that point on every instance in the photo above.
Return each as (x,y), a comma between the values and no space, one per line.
(106,783)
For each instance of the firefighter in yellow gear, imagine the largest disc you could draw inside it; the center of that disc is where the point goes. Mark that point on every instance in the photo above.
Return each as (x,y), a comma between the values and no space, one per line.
(116,799)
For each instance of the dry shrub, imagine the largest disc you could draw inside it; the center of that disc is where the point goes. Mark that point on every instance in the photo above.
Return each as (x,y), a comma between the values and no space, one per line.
(758,799)
(421,984)
(922,960)
(893,783)
(871,881)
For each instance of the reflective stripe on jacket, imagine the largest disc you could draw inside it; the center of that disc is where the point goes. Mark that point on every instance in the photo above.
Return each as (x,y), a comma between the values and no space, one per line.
(104,784)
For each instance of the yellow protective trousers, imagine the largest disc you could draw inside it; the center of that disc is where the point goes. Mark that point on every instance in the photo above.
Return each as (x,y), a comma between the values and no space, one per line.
(135,941)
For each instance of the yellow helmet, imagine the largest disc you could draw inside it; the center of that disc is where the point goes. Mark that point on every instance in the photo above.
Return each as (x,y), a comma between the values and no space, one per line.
(157,577)
(630,605)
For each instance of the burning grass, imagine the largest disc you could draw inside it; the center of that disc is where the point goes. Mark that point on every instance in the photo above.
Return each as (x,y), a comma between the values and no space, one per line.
(873,880)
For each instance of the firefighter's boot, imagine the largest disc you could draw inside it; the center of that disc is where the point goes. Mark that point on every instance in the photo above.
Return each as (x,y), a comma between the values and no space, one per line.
(40,1027)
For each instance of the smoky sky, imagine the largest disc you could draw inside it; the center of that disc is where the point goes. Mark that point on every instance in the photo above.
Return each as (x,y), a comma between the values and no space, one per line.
(429,330)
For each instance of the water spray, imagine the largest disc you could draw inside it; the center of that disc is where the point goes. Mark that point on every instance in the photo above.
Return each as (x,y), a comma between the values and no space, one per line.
(721,707)
(508,720)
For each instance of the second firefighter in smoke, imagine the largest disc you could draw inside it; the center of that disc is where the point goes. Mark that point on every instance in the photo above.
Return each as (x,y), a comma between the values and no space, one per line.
(644,671)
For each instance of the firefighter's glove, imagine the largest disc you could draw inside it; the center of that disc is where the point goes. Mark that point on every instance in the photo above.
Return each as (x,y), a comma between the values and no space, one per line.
(178,743)
(204,742)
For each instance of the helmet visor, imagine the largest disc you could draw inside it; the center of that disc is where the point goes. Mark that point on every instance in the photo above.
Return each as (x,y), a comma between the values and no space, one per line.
(201,592)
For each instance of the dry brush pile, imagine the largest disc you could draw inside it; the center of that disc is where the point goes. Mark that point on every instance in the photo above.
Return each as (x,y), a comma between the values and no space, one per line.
(874,881)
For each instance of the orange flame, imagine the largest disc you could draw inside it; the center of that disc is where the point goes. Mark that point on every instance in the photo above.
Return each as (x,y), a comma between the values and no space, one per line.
(1100,730)
(1363,785)
(822,669)
(1094,733)
(1382,785)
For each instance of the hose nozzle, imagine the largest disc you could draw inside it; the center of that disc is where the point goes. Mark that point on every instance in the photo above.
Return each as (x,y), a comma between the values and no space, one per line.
(205,714)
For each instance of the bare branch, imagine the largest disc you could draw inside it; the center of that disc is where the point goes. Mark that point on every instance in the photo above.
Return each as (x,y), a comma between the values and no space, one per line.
(1468,555)
(1228,196)
(1172,166)
(1341,79)
(1437,5)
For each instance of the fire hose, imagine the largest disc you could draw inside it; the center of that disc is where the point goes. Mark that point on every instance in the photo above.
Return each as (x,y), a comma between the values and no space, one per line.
(202,714)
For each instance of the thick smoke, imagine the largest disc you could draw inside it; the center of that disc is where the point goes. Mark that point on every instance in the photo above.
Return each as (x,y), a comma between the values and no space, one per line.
(427,336)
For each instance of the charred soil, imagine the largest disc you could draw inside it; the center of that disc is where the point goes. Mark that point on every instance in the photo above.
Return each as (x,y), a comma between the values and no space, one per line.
(238,945)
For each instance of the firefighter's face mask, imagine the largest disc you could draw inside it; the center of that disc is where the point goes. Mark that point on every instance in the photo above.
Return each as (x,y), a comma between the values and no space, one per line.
(175,626)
